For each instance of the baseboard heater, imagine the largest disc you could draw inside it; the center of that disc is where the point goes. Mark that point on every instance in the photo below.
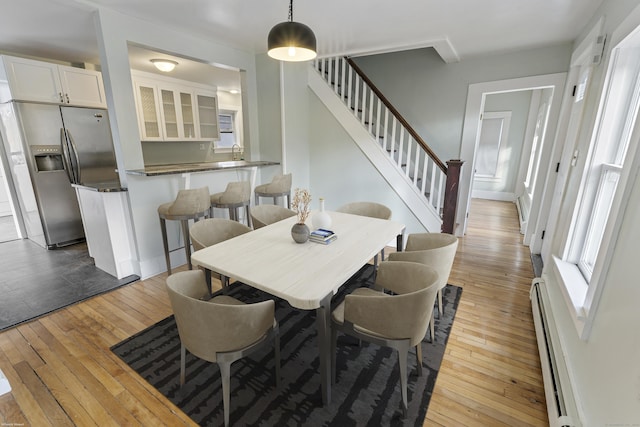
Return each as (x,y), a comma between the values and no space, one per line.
(561,406)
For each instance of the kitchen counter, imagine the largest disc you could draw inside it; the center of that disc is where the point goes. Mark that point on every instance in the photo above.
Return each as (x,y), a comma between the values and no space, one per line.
(107,187)
(197,167)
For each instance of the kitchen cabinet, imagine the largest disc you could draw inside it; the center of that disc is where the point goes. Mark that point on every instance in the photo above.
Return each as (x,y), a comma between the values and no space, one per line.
(40,81)
(172,110)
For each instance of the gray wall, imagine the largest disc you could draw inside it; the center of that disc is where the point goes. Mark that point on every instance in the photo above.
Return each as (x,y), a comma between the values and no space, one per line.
(432,95)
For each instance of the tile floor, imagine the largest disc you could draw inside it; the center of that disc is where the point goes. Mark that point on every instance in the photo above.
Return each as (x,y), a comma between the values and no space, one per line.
(35,281)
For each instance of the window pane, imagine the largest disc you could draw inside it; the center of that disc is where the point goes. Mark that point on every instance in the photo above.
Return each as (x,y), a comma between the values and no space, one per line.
(602,206)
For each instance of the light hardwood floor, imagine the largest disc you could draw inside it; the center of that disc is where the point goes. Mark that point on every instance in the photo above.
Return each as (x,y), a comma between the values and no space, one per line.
(63,373)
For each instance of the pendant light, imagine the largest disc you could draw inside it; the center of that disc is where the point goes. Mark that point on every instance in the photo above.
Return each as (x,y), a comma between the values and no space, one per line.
(291,41)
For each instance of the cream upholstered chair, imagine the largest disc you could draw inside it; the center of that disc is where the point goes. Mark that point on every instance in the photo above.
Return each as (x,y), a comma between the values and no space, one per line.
(236,195)
(189,204)
(280,186)
(221,330)
(370,209)
(210,231)
(263,215)
(399,321)
(437,250)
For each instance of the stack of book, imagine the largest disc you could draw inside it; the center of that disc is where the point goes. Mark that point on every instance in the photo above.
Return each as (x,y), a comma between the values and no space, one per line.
(323,236)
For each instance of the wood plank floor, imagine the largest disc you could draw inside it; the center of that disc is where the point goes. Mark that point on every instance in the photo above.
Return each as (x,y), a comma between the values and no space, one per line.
(63,373)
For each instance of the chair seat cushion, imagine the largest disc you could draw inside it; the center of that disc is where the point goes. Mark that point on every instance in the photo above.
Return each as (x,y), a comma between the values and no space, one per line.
(338,313)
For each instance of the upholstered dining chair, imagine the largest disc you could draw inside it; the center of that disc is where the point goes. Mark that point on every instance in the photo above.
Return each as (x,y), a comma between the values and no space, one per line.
(399,320)
(263,215)
(236,195)
(280,186)
(221,330)
(370,209)
(437,250)
(188,204)
(211,231)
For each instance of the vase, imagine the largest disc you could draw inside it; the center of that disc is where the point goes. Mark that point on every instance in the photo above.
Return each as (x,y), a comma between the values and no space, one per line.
(321,219)
(300,232)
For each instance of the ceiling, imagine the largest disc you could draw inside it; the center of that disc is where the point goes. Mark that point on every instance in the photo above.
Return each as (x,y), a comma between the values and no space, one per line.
(457,29)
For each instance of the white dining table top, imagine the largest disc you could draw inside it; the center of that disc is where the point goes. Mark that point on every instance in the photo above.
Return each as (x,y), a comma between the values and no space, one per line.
(303,274)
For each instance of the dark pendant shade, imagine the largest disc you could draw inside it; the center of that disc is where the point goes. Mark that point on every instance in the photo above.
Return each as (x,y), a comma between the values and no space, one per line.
(291,41)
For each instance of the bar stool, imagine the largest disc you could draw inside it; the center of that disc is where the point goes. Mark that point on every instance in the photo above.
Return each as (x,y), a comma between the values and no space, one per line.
(280,186)
(189,204)
(236,195)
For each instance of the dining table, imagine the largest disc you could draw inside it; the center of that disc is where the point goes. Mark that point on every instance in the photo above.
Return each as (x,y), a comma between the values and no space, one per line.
(306,275)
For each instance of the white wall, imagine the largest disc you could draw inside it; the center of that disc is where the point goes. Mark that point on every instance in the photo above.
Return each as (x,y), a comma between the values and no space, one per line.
(604,367)
(147,193)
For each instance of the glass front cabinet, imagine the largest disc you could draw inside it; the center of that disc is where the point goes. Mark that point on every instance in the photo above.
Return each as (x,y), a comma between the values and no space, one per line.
(174,111)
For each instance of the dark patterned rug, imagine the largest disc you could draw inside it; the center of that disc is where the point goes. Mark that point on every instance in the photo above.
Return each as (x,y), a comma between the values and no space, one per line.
(367,390)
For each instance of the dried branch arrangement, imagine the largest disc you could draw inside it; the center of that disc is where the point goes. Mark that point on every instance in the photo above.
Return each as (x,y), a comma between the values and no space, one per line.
(301,202)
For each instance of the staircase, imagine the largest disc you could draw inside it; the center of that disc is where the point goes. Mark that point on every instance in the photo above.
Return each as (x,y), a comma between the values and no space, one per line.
(426,185)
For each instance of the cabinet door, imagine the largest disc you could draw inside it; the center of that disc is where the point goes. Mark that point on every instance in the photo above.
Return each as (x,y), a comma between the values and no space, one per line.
(169,112)
(31,80)
(208,116)
(189,125)
(82,87)
(148,112)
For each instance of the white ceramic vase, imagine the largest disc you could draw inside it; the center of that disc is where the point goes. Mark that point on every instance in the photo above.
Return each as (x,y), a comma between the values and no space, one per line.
(321,219)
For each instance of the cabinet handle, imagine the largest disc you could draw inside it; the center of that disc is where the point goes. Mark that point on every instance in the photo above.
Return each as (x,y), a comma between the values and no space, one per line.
(60,95)
(67,95)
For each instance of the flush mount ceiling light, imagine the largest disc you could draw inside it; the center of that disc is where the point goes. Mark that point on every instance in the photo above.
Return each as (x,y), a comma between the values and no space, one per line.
(165,65)
(291,41)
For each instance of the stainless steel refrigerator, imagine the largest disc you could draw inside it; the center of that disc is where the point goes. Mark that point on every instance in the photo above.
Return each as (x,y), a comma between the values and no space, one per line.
(48,148)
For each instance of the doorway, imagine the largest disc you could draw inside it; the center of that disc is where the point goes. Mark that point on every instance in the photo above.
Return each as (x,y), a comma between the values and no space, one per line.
(476,101)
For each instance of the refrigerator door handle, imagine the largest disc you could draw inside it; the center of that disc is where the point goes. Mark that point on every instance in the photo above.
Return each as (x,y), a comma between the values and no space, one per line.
(76,165)
(65,156)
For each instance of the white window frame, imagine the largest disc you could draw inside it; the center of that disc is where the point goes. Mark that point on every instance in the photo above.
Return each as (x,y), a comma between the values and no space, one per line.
(235,117)
(504,117)
(614,122)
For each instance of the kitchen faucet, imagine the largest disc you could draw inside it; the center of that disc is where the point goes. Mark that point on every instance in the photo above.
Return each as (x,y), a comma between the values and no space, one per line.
(233,151)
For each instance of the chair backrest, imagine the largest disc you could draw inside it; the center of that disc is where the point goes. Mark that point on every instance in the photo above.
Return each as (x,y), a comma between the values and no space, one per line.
(263,215)
(404,315)
(190,202)
(207,327)
(437,250)
(210,231)
(237,192)
(280,183)
(370,209)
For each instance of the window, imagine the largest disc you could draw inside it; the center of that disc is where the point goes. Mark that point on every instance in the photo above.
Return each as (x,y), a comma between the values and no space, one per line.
(608,152)
(599,186)
(494,131)
(228,134)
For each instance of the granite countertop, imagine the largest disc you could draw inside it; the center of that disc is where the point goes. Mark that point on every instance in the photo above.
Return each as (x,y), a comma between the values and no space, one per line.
(197,167)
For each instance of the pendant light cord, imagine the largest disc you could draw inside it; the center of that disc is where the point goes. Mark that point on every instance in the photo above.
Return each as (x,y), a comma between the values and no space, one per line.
(290,10)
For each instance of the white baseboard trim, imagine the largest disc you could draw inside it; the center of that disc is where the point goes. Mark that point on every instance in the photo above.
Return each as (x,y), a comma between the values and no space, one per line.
(493,195)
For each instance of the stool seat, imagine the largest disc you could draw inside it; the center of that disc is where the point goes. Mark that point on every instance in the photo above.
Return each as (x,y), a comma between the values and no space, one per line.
(236,195)
(280,186)
(189,204)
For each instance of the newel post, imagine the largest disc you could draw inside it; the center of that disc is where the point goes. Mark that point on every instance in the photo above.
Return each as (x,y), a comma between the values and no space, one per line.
(451,196)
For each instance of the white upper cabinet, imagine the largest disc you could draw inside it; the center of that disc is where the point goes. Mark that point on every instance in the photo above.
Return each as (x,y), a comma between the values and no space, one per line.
(31,80)
(175,110)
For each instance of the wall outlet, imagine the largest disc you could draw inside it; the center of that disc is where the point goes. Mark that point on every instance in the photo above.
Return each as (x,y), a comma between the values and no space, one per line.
(203,146)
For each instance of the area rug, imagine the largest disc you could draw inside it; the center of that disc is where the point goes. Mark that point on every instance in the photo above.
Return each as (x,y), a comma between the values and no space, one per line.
(367,390)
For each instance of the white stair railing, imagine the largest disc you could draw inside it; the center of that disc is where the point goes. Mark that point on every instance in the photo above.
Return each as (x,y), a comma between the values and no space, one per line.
(404,147)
